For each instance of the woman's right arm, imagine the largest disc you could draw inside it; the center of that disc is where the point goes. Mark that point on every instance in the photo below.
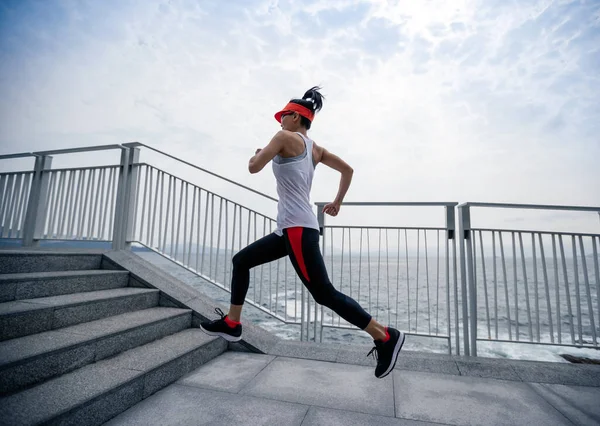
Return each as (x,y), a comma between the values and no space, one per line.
(266,154)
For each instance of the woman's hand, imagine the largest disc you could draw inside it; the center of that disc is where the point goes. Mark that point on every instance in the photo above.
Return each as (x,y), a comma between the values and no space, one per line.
(332,209)
(258,150)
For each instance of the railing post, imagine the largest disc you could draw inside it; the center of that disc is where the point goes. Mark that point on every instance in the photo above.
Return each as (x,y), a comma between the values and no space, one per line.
(118,237)
(36,206)
(472,290)
(451,236)
(130,197)
(464,228)
(467,273)
(302,316)
(321,221)
(305,319)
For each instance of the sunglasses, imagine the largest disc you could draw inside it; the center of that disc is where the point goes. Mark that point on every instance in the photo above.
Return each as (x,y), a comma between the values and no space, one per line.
(286,114)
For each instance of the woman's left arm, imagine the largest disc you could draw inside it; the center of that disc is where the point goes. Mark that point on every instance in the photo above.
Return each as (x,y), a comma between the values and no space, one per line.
(263,156)
(336,163)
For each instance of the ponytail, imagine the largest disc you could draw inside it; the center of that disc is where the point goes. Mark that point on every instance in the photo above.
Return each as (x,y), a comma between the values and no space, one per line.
(313,100)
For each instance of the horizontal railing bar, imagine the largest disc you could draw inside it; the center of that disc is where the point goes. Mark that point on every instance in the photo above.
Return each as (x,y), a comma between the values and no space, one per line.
(534,232)
(350,327)
(376,203)
(210,192)
(384,227)
(138,144)
(76,150)
(532,206)
(16,173)
(20,155)
(74,169)
(581,345)
(70,240)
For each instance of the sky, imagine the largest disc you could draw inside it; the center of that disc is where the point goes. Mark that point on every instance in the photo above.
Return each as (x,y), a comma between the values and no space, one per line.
(484,101)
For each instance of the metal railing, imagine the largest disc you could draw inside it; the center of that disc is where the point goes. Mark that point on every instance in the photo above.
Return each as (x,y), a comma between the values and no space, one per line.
(14,194)
(65,203)
(534,287)
(395,273)
(537,286)
(81,203)
(202,231)
(133,202)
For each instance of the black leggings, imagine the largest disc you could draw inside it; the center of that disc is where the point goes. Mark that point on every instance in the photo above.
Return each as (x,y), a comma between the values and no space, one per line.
(302,246)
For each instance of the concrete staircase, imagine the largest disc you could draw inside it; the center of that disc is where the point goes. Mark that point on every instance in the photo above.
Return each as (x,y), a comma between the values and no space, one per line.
(80,344)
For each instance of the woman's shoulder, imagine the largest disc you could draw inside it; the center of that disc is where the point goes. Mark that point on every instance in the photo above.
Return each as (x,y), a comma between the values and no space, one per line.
(292,138)
(286,134)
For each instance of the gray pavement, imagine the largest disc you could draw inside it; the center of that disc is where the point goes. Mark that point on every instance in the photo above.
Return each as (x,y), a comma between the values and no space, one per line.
(252,389)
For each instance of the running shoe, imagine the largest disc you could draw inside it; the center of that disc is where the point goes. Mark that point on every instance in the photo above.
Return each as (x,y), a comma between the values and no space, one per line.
(386,353)
(222,329)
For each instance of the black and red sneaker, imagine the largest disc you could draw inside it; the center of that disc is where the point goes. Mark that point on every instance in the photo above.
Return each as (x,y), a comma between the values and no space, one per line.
(387,352)
(222,329)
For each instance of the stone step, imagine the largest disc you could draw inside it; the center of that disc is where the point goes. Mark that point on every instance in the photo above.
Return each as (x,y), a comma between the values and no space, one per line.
(97,392)
(44,284)
(31,359)
(15,262)
(30,316)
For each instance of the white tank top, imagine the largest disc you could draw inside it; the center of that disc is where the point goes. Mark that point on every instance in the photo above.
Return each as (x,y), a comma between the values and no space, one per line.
(294,180)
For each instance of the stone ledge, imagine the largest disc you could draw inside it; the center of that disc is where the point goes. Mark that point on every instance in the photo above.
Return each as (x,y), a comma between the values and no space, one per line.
(176,293)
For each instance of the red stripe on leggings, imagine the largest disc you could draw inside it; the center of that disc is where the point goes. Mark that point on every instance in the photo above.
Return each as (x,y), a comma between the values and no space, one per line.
(295,237)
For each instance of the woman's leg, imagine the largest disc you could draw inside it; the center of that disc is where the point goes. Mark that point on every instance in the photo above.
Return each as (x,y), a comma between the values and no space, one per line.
(304,252)
(267,249)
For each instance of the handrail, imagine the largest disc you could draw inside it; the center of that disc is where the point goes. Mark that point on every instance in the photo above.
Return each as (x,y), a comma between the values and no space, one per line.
(138,144)
(20,155)
(75,150)
(61,151)
(377,203)
(532,206)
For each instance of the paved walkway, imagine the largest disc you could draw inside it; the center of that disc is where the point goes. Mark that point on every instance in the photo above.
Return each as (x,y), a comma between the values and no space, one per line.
(250,389)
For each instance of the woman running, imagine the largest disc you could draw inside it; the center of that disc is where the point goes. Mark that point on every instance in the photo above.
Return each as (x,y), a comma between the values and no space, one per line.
(295,157)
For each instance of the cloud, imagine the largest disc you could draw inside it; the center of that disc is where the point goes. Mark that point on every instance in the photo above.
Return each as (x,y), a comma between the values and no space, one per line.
(465,100)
